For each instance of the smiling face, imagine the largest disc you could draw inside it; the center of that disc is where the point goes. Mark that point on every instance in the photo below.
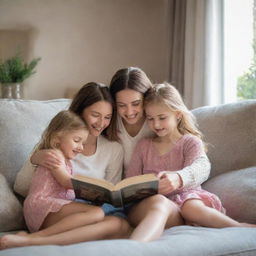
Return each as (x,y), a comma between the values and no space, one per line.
(72,142)
(97,117)
(129,105)
(162,120)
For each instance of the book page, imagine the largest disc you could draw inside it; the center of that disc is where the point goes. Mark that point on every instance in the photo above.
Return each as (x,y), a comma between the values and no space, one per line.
(91,192)
(135,180)
(139,191)
(95,181)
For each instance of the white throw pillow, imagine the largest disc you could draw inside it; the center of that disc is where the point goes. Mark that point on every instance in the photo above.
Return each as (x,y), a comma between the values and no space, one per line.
(23,179)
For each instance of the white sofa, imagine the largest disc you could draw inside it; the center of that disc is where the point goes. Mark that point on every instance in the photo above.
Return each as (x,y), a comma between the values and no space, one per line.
(230,131)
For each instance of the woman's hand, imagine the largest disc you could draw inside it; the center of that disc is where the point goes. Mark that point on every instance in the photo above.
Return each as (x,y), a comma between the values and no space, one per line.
(48,158)
(168,182)
(54,160)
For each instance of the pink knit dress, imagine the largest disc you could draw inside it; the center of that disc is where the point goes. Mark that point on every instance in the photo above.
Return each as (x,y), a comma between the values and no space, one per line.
(146,159)
(45,195)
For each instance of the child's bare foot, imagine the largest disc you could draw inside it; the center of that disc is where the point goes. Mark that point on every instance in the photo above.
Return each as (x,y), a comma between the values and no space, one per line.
(10,241)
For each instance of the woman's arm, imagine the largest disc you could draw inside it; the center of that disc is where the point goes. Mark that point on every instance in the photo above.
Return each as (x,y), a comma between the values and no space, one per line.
(48,158)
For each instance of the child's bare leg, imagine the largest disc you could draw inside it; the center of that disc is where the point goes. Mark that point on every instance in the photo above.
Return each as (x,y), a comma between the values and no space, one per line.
(70,216)
(151,216)
(22,233)
(195,211)
(110,228)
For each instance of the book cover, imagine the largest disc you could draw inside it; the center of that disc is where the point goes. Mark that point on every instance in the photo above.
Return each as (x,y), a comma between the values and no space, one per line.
(126,191)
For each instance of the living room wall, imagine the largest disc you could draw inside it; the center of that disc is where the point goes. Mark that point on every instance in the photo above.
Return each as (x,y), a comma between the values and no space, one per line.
(85,40)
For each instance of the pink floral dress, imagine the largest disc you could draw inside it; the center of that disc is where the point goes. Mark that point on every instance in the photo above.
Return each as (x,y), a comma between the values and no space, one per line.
(146,159)
(45,195)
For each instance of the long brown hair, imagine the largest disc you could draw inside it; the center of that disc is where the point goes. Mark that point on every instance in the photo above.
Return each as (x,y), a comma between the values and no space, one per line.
(132,78)
(89,94)
(170,96)
(64,121)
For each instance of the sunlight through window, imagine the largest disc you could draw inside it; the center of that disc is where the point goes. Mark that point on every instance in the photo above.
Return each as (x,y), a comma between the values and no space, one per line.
(238,45)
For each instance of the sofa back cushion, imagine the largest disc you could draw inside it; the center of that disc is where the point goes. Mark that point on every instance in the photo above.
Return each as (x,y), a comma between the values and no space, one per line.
(21,125)
(230,131)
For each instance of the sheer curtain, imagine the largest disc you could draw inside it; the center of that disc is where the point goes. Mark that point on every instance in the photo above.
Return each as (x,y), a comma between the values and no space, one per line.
(203,55)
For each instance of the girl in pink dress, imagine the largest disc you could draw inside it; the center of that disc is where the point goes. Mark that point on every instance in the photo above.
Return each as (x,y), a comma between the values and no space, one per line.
(50,202)
(170,154)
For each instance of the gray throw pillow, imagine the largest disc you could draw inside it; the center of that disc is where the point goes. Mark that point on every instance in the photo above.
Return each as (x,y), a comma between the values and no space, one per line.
(23,179)
(11,214)
(237,191)
(229,131)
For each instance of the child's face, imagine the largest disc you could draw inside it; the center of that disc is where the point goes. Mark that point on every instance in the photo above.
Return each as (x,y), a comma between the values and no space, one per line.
(161,119)
(98,117)
(129,105)
(71,143)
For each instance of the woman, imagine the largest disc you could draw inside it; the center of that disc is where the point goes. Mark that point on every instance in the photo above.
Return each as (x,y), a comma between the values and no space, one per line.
(127,88)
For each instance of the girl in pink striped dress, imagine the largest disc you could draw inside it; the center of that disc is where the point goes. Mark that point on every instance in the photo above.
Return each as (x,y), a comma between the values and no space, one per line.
(170,154)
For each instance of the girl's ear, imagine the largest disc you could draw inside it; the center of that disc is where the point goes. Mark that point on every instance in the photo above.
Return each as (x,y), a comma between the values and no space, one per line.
(178,115)
(55,142)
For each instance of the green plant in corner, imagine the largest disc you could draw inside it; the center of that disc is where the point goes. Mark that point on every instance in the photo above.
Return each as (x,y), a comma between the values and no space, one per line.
(15,70)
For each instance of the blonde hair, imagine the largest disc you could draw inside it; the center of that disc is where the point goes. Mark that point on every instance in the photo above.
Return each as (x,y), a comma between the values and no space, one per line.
(64,121)
(169,95)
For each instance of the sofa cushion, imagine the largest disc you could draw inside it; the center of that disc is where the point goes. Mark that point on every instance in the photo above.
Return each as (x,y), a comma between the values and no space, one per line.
(237,191)
(11,217)
(230,132)
(176,241)
(21,125)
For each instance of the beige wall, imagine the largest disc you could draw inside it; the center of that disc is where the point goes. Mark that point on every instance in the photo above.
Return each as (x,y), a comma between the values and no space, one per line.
(87,40)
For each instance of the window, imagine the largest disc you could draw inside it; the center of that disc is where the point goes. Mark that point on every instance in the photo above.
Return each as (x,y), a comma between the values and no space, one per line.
(239,53)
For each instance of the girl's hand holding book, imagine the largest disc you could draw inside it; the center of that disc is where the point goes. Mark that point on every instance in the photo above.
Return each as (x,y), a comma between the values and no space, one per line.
(168,182)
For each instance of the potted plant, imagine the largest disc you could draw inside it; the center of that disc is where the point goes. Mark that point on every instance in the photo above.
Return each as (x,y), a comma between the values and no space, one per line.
(13,72)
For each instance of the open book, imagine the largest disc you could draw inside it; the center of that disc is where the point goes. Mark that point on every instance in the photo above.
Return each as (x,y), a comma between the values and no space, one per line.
(127,190)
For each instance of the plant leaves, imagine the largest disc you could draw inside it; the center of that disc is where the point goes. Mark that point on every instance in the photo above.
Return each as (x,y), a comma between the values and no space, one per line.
(15,70)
